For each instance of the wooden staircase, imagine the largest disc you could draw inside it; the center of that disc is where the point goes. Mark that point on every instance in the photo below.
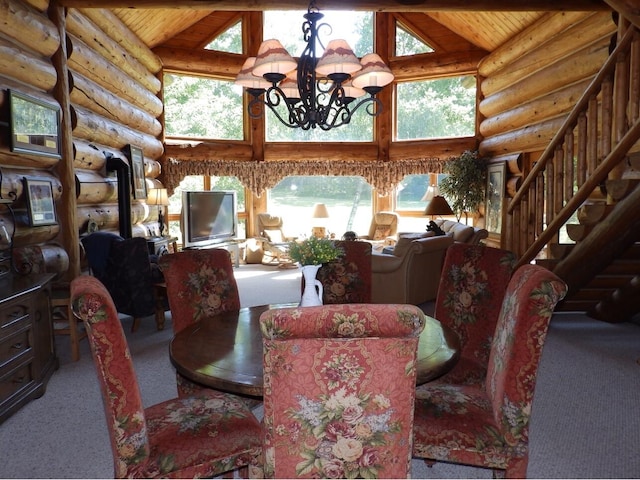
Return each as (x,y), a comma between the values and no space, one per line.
(588,174)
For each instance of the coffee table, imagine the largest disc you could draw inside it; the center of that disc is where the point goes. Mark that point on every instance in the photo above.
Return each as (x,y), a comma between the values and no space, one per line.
(225,351)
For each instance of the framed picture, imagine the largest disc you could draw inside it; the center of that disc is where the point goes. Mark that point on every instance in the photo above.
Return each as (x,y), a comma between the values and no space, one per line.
(40,204)
(138,183)
(495,196)
(35,125)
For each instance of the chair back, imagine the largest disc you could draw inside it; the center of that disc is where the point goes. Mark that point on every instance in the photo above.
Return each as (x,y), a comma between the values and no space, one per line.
(472,286)
(122,402)
(200,283)
(529,301)
(383,225)
(348,278)
(270,227)
(339,390)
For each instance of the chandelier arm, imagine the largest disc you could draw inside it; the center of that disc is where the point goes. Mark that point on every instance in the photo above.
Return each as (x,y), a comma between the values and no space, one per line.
(374,106)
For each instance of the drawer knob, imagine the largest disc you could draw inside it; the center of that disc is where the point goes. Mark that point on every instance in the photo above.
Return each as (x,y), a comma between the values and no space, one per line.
(17,346)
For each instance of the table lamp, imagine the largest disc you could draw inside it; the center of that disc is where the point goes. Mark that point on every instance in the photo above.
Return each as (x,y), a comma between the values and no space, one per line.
(158,196)
(438,205)
(320,214)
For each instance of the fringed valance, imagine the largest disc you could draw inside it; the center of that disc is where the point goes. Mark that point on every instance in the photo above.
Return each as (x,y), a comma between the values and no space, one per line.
(384,176)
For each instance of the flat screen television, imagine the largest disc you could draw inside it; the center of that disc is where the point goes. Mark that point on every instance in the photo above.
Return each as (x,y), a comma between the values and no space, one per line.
(208,217)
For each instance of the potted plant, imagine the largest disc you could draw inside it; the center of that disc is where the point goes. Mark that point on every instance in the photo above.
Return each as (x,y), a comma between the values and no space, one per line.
(465,184)
(311,254)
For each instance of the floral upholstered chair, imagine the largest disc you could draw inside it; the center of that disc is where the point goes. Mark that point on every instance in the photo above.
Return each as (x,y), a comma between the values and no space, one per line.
(339,385)
(487,424)
(188,437)
(472,285)
(348,278)
(200,284)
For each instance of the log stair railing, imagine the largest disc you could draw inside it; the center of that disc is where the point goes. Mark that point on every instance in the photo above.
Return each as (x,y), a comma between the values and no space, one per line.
(581,176)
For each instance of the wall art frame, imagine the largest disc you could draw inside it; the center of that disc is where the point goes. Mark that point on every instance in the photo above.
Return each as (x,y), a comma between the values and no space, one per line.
(494,200)
(40,203)
(34,125)
(136,161)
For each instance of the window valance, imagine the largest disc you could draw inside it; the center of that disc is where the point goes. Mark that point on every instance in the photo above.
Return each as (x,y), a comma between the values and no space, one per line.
(384,176)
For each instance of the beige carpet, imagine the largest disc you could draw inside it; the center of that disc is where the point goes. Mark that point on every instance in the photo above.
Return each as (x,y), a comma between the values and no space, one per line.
(585,422)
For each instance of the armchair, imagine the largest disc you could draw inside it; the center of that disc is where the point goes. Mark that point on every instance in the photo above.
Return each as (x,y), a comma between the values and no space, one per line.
(275,244)
(410,274)
(126,269)
(383,225)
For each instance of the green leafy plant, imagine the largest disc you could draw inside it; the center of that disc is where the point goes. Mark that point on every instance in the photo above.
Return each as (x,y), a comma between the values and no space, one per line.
(465,184)
(314,251)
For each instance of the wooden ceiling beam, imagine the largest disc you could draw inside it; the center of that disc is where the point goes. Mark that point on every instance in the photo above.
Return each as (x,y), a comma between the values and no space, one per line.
(365,5)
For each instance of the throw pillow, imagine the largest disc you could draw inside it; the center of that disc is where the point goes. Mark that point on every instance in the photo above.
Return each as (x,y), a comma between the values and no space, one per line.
(381,232)
(273,235)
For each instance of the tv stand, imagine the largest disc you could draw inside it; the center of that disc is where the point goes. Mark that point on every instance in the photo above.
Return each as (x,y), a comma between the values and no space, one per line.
(231,245)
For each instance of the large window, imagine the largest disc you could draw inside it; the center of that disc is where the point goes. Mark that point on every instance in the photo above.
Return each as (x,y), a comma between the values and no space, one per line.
(439,108)
(354,27)
(348,201)
(202,107)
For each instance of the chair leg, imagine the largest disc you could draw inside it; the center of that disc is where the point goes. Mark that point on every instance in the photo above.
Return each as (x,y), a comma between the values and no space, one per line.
(429,463)
(135,324)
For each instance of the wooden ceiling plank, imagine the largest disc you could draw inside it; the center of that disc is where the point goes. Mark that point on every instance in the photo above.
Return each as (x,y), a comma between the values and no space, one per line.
(369,5)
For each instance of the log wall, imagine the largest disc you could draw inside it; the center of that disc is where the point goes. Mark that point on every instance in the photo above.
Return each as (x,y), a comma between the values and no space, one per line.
(530,84)
(113,92)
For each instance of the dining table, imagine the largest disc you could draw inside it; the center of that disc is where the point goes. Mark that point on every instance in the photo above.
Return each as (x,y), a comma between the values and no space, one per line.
(224,351)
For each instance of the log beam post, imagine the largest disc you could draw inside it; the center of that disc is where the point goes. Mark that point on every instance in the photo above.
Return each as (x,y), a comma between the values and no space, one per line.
(67,204)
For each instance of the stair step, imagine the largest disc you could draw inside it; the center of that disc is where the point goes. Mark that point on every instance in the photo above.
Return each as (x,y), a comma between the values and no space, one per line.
(548,263)
(560,250)
(592,213)
(608,281)
(569,305)
(632,253)
(578,231)
(619,188)
(623,267)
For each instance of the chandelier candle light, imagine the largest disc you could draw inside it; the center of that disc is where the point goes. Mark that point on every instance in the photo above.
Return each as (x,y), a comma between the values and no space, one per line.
(313,92)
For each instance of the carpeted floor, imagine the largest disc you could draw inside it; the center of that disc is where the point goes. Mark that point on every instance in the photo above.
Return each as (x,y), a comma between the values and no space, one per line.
(585,420)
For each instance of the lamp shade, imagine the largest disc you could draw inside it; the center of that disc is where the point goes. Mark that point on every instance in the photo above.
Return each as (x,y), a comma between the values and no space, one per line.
(157,196)
(320,211)
(246,78)
(273,58)
(374,72)
(338,58)
(438,206)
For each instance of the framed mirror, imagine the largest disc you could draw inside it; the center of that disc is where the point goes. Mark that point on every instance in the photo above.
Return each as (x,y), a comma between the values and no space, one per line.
(35,125)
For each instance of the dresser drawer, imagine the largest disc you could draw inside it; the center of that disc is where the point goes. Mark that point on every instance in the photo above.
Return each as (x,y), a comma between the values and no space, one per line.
(12,312)
(14,346)
(15,381)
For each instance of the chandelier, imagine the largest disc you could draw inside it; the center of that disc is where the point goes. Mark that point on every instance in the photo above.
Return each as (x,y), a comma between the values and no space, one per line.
(313,92)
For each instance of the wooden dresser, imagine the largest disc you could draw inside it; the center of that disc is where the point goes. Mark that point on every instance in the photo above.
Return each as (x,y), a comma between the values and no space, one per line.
(27,349)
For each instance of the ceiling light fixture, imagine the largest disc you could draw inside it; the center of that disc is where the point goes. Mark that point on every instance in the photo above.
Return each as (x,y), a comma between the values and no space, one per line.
(315,92)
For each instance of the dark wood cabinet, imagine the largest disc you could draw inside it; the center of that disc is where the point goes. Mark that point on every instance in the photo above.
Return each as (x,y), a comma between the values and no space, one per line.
(27,349)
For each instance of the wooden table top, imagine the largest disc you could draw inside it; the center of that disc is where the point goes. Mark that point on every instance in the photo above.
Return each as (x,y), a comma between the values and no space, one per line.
(225,352)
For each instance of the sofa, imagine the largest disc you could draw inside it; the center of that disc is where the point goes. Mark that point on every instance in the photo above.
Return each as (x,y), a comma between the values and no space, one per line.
(461,232)
(411,274)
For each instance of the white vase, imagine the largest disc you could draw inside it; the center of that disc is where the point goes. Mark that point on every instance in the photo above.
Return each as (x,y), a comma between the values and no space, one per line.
(312,294)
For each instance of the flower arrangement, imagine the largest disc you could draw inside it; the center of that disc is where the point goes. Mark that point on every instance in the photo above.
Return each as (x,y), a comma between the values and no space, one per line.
(314,251)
